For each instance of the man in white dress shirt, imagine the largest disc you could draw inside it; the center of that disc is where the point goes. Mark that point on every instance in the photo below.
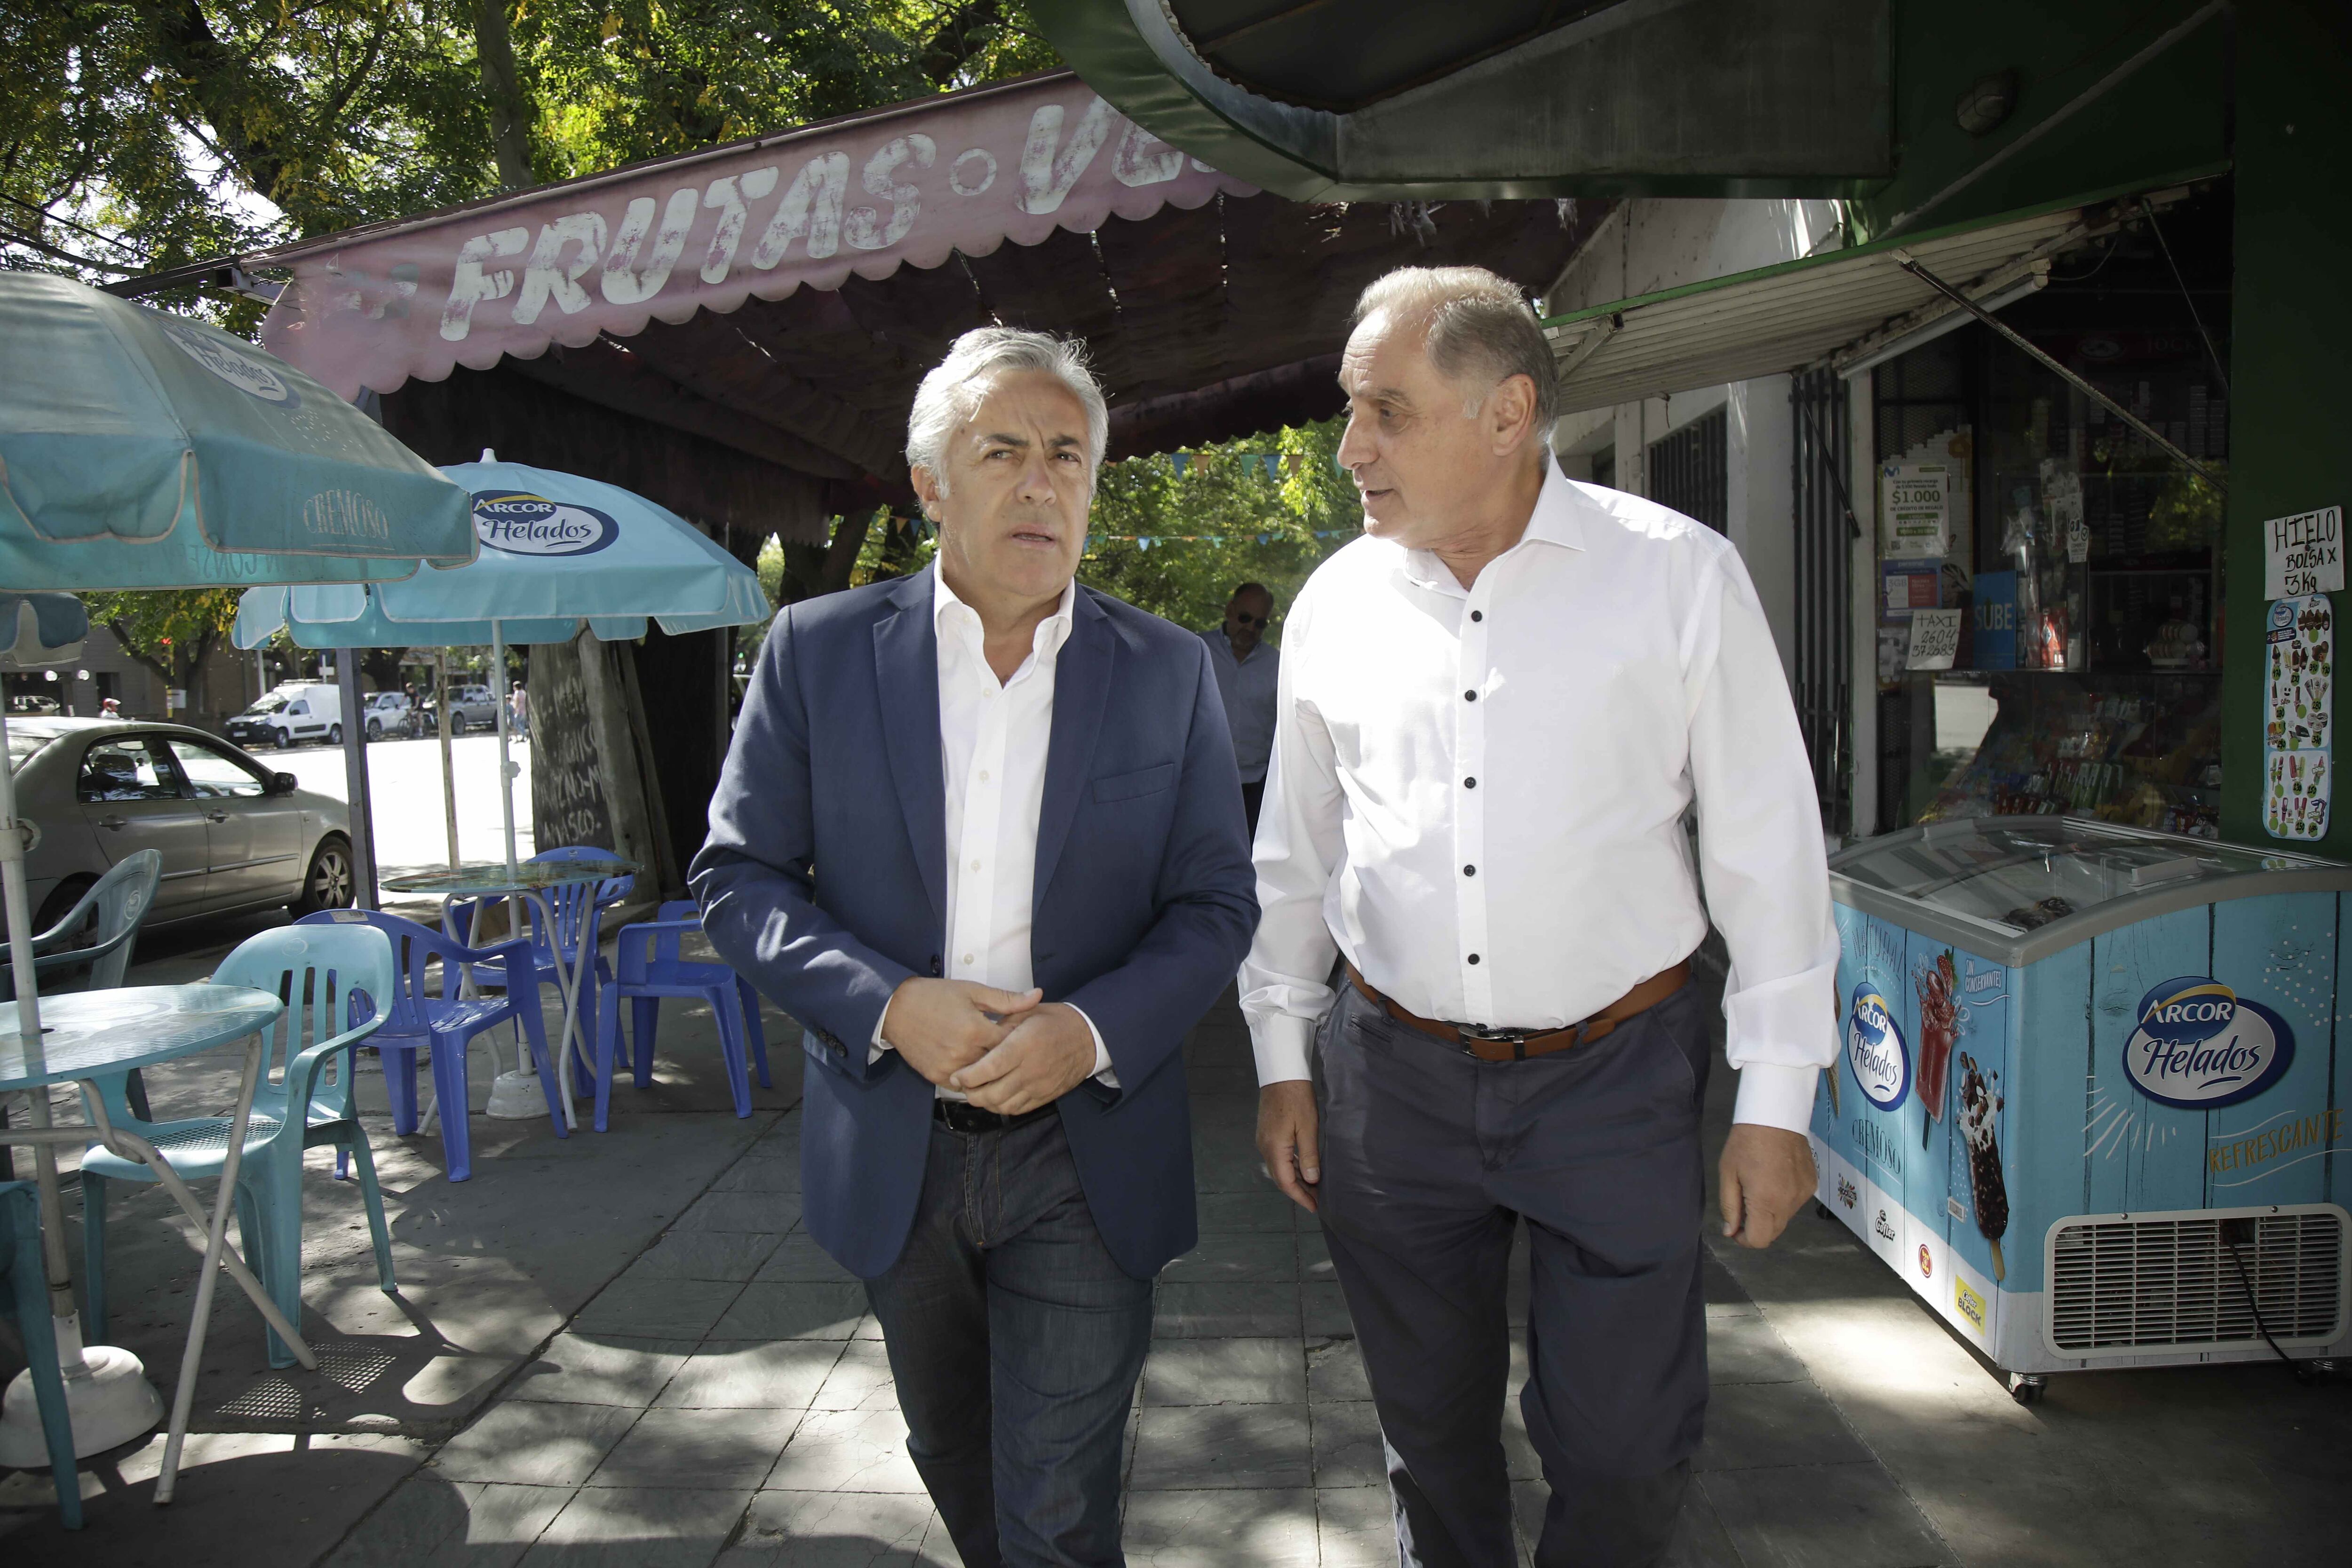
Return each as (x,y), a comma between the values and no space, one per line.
(1247,670)
(1494,710)
(981,833)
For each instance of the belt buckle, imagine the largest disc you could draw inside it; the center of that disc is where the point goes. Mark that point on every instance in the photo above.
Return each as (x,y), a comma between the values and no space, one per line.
(1469,1032)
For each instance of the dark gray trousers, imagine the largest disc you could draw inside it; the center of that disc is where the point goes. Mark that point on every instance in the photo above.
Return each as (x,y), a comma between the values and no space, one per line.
(1429,1160)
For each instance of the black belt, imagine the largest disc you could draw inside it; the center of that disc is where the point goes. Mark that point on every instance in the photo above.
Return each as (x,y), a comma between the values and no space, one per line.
(957,1116)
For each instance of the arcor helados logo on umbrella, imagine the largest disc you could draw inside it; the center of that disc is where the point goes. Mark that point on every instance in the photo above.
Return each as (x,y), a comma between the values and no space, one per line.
(1876,1051)
(2201,1046)
(520,523)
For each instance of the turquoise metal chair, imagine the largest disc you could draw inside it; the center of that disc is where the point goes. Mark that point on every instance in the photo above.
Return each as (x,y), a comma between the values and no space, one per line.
(338,984)
(648,968)
(28,1300)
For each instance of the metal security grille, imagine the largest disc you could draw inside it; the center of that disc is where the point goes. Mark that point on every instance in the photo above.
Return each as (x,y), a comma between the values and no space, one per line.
(1826,530)
(2140,1285)
(1686,471)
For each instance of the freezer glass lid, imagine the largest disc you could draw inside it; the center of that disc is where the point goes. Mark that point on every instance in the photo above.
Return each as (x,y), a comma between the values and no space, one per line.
(2021,872)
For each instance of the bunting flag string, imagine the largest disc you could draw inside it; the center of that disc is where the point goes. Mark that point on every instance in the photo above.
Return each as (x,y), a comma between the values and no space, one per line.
(1273,464)
(1146,540)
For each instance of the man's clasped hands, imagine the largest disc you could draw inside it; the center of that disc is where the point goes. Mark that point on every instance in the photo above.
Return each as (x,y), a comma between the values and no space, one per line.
(1009,1051)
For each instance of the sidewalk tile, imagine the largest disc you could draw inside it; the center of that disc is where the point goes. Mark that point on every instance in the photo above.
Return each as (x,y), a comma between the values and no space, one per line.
(1237,1259)
(761,1172)
(534,1445)
(1315,1258)
(834,1530)
(798,1260)
(699,1449)
(1221,1446)
(1749,1350)
(428,1521)
(869,1326)
(618,1527)
(1357,1527)
(705,1254)
(1821,1516)
(764,1213)
(1225,1372)
(794,1312)
(1325,1311)
(750,1374)
(1348,1450)
(1186,1311)
(1752,1426)
(1260,1208)
(1272,1528)
(848,1451)
(1335,1370)
(584,1368)
(656,1309)
(859,1380)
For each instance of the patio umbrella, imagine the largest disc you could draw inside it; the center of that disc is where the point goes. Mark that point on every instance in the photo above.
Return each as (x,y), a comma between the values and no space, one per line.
(559,553)
(140,450)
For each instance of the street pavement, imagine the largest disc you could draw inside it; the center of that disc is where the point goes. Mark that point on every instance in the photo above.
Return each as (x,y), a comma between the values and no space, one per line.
(406,779)
(624,1349)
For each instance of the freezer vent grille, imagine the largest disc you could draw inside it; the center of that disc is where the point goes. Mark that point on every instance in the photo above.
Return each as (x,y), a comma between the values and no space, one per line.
(2159,1284)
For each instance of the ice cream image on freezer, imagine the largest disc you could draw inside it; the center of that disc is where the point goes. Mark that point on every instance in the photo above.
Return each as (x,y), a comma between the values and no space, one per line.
(1980,1103)
(1940,1024)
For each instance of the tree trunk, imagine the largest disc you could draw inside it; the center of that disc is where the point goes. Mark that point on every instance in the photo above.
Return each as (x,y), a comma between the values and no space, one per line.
(502,85)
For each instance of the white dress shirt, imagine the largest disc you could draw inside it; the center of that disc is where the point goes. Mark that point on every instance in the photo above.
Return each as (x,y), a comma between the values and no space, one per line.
(993,738)
(1477,794)
(1248,687)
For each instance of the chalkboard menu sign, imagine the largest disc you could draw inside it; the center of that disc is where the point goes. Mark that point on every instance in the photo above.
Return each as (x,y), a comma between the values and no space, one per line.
(568,803)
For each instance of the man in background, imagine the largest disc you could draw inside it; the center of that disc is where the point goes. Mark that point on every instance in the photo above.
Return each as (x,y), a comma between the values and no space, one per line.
(1246,670)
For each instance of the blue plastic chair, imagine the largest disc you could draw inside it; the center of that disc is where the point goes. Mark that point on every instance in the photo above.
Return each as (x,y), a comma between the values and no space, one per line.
(649,968)
(28,1299)
(445,1024)
(577,910)
(337,985)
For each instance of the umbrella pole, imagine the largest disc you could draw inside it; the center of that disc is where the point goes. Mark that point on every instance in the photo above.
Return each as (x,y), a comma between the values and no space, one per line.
(355,780)
(506,762)
(448,766)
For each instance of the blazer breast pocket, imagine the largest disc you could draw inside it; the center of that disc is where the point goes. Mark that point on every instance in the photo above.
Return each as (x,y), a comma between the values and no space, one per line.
(1127,786)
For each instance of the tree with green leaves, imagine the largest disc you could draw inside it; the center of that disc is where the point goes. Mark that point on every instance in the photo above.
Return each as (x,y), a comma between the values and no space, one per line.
(169,631)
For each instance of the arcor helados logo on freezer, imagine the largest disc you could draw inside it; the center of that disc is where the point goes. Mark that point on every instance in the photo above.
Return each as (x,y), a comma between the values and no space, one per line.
(1875,1049)
(520,523)
(2201,1046)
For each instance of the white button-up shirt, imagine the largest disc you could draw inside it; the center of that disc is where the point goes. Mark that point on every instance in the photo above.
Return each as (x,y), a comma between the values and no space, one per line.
(1248,688)
(994,739)
(1477,794)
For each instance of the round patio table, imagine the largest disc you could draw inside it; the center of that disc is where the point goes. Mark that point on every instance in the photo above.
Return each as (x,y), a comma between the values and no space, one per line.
(88,1033)
(531,880)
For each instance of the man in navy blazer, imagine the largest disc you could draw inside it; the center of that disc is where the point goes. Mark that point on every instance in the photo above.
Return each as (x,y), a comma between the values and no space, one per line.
(980,832)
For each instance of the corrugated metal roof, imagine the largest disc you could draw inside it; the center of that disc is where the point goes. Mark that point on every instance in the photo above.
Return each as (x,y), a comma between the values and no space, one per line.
(1831,309)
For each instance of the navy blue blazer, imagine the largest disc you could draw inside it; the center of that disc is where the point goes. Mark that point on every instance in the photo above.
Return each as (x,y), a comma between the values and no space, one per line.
(823,882)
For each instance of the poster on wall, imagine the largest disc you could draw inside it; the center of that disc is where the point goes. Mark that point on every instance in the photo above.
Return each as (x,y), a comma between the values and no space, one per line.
(2304,554)
(1916,500)
(2298,712)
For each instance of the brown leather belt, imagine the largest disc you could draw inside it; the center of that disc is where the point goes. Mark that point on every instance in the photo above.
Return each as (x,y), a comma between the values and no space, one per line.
(1518,1044)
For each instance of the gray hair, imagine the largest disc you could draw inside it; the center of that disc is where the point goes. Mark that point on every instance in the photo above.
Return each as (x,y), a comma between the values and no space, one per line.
(958,383)
(1480,330)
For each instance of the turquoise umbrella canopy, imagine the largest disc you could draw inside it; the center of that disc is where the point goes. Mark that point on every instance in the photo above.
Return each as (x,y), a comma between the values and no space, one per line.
(144,450)
(37,629)
(558,551)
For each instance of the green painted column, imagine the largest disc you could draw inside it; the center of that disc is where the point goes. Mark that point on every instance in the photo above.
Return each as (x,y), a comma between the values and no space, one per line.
(2291,353)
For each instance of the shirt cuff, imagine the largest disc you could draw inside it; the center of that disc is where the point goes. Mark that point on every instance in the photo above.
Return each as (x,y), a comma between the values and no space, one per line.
(876,1046)
(1102,1073)
(1773,1096)
(1283,1045)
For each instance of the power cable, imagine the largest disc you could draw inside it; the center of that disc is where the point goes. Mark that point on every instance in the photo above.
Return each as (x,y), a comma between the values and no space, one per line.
(2187,298)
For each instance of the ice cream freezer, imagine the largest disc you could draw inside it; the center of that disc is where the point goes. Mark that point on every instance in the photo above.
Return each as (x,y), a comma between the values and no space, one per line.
(2091,1098)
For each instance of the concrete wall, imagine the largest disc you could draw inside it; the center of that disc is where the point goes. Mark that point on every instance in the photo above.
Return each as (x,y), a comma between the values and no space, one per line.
(1650,244)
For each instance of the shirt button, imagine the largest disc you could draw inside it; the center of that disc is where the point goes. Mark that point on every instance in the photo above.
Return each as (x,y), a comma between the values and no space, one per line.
(975,865)
(1473,958)
(983,776)
(967,959)
(1469,870)
(1469,783)
(1469,697)
(1478,614)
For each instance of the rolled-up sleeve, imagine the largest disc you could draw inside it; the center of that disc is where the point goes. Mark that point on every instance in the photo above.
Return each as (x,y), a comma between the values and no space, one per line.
(1761,857)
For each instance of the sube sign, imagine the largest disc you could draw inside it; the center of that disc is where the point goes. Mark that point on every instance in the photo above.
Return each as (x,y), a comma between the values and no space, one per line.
(2304,554)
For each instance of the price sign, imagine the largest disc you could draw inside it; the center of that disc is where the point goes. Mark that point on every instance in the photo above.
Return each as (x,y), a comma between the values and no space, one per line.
(1914,499)
(2304,554)
(1935,638)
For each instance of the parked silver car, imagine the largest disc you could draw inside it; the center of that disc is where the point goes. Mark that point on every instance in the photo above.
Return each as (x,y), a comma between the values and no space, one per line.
(233,835)
(470,707)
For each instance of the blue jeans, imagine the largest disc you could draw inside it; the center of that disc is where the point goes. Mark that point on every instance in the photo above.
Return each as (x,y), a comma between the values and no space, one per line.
(1015,1343)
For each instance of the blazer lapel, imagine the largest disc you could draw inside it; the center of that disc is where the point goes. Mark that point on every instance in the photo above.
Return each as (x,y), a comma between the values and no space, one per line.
(1082,679)
(906,673)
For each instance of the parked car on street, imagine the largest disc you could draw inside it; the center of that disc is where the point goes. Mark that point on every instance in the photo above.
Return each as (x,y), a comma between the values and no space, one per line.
(234,836)
(33,703)
(469,706)
(293,711)
(388,713)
